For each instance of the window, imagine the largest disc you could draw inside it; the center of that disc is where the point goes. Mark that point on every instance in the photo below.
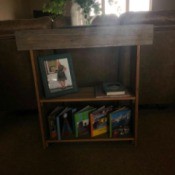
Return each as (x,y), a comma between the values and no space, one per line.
(115,7)
(139,5)
(120,6)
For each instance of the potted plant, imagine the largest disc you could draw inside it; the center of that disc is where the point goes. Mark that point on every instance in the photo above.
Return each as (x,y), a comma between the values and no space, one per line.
(87,6)
(57,7)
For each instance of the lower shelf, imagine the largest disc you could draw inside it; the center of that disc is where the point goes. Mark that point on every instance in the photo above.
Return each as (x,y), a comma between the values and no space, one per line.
(92,140)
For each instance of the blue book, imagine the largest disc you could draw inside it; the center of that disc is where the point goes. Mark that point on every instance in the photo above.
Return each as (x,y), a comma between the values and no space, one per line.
(52,122)
(119,122)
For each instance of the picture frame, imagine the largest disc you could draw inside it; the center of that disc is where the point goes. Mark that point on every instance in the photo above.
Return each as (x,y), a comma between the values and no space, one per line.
(57,75)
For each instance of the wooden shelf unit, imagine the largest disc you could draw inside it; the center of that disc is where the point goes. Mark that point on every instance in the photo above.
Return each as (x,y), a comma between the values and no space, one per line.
(81,38)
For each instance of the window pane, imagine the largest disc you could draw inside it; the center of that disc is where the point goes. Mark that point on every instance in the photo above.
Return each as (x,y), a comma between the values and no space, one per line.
(139,5)
(115,7)
(92,13)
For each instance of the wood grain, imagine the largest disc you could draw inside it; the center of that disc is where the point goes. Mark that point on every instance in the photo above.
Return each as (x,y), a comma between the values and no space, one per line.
(84,37)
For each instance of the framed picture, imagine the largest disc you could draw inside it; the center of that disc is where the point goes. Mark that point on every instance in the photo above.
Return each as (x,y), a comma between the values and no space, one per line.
(57,74)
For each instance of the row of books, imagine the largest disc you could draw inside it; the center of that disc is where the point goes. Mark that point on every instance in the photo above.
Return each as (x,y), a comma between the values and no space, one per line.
(68,123)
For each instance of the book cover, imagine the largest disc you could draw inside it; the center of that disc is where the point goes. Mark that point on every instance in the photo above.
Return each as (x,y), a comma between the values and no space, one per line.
(58,122)
(114,88)
(119,122)
(81,121)
(65,124)
(52,122)
(99,121)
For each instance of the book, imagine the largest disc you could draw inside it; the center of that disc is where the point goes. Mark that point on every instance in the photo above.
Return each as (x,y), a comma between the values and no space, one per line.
(65,123)
(99,121)
(58,122)
(119,122)
(114,88)
(81,121)
(100,93)
(52,122)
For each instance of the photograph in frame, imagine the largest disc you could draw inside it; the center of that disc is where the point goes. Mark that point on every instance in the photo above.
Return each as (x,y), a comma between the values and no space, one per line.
(57,75)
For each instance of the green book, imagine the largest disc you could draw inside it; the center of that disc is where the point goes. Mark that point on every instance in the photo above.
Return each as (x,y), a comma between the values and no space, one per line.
(81,121)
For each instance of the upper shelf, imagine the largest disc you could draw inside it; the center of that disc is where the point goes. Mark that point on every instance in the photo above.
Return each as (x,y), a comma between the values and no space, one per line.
(87,94)
(84,37)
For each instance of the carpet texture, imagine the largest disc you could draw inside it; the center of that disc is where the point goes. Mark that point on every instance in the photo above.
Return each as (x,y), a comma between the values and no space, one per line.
(21,151)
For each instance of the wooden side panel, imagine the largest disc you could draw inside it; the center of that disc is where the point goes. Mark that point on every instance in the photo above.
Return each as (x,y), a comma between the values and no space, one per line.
(84,37)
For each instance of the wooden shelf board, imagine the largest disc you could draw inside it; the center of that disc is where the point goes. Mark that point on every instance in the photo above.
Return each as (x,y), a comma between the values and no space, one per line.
(92,140)
(84,37)
(86,94)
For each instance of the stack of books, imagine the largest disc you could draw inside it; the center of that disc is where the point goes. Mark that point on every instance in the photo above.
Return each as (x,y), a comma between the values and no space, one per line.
(109,89)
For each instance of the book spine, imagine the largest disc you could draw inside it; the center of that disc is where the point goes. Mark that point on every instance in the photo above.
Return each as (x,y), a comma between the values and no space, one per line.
(91,118)
(110,126)
(52,127)
(58,128)
(76,116)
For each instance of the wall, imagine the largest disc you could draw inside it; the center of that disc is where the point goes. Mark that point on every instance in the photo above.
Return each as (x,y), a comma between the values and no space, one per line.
(36,5)
(163,5)
(14,9)
(19,9)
